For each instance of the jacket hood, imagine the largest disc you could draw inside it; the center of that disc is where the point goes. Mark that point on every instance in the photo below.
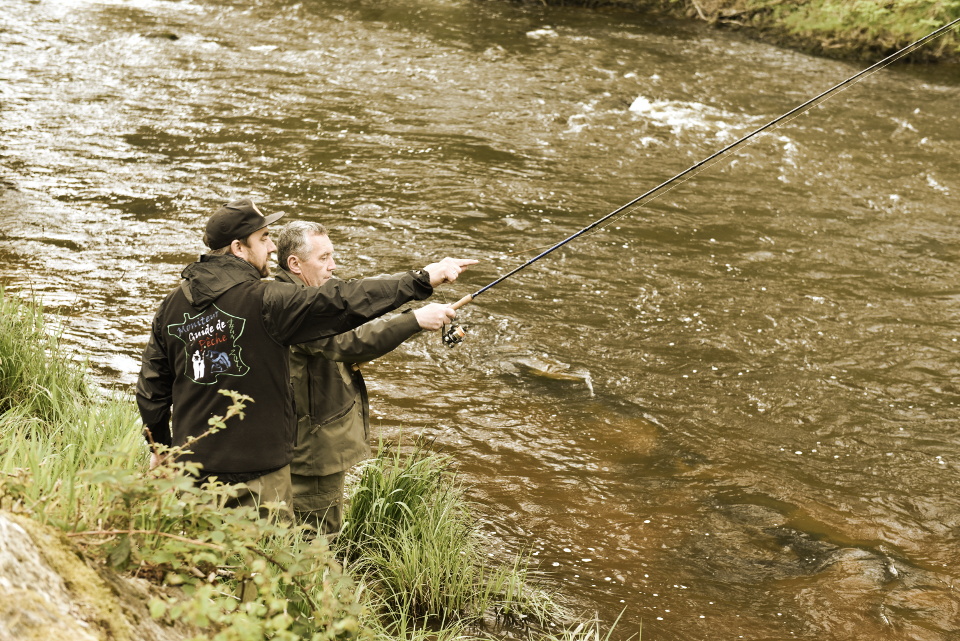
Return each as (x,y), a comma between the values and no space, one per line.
(208,278)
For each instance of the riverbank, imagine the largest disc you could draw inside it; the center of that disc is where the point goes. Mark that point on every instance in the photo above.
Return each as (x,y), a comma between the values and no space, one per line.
(160,558)
(860,30)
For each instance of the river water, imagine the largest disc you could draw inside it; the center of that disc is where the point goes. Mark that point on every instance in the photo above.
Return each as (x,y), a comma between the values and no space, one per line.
(770,450)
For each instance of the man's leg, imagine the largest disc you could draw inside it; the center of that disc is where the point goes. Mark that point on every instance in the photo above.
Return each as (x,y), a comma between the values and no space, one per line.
(274,487)
(318,502)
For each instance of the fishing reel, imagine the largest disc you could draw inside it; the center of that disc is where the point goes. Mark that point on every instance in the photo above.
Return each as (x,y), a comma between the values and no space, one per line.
(453,335)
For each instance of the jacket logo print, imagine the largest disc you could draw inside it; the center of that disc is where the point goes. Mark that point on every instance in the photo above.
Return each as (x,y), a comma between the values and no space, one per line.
(210,345)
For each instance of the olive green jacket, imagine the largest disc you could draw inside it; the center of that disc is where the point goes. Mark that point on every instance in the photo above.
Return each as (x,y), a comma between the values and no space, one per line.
(333,413)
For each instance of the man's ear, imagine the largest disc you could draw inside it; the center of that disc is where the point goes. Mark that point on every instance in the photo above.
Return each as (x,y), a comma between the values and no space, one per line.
(293,265)
(236,248)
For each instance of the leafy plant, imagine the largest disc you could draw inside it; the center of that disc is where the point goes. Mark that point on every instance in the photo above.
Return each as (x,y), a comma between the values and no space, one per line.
(240,576)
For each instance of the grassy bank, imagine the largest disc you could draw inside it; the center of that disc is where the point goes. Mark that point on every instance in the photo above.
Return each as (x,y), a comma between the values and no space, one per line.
(855,29)
(415,563)
(410,537)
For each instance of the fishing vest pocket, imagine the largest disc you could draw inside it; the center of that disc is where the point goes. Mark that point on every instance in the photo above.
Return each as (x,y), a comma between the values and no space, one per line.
(336,418)
(332,446)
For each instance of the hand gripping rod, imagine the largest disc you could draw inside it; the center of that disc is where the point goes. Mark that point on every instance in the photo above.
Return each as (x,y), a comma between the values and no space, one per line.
(796,111)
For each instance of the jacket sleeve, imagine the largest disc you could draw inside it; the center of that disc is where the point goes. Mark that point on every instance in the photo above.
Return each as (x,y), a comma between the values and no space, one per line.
(294,314)
(367,342)
(155,390)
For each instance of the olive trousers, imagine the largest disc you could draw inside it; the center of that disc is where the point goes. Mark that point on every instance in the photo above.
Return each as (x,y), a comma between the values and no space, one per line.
(318,502)
(274,487)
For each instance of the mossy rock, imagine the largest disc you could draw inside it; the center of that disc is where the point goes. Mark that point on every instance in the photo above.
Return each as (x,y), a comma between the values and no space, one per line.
(48,591)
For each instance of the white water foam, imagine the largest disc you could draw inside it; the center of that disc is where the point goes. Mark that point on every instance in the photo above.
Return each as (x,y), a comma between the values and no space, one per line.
(682,116)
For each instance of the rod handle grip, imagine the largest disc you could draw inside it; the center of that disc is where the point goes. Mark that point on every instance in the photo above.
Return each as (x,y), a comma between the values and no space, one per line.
(463,301)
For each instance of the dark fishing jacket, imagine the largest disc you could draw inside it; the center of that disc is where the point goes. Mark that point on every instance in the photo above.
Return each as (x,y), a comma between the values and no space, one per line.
(226,329)
(333,412)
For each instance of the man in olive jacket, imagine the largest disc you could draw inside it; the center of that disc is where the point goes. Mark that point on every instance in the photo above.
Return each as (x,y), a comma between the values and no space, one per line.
(224,328)
(333,412)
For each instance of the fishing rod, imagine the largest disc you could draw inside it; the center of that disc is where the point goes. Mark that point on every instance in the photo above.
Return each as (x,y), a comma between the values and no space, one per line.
(455,334)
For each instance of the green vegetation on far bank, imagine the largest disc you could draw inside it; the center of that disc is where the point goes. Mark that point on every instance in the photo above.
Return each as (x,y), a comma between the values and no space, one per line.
(410,564)
(853,29)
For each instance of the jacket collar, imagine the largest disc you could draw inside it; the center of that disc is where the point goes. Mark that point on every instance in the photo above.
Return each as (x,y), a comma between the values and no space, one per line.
(283,276)
(211,276)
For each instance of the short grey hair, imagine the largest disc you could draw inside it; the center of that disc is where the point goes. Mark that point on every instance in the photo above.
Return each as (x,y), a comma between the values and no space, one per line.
(294,239)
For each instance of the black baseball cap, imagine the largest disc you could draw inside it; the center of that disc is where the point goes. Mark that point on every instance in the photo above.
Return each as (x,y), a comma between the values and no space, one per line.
(234,220)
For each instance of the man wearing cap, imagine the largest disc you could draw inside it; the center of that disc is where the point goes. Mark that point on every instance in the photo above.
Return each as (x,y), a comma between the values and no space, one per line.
(333,413)
(224,328)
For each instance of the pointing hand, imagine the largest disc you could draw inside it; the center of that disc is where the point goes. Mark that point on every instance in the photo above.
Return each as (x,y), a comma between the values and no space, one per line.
(447,270)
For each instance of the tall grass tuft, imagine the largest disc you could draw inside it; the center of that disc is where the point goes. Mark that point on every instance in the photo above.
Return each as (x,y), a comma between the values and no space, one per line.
(410,534)
(103,434)
(52,427)
(36,379)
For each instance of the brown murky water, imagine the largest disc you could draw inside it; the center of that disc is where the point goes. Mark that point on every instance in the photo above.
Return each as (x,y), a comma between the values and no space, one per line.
(771,451)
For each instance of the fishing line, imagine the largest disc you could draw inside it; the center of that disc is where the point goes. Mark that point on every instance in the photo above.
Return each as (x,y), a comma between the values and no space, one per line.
(455,334)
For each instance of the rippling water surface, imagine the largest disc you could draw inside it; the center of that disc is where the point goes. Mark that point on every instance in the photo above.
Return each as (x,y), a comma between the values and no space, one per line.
(771,451)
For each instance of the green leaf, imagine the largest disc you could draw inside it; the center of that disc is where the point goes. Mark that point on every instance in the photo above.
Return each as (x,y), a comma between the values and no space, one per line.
(119,556)
(158,608)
